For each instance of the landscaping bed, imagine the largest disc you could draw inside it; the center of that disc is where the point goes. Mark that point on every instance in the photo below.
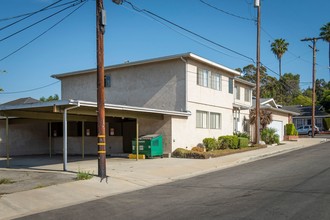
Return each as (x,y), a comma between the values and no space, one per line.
(195,154)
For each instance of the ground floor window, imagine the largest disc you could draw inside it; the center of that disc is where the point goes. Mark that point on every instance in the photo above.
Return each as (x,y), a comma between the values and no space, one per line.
(201,119)
(215,119)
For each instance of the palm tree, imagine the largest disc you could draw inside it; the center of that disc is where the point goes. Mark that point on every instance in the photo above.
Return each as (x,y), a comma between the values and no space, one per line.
(266,117)
(279,47)
(325,34)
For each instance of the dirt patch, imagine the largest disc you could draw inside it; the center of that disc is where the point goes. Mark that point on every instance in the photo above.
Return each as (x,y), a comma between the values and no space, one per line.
(18,181)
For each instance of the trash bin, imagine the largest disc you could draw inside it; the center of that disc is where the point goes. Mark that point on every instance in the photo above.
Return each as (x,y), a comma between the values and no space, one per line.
(150,145)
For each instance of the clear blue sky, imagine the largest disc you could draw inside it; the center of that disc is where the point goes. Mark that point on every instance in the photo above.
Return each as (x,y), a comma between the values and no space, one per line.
(130,35)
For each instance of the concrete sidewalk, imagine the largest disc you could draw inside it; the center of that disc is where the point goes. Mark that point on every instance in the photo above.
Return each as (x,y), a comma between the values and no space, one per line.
(128,175)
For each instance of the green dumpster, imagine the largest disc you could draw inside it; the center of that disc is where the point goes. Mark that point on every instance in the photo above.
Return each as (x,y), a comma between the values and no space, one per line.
(150,145)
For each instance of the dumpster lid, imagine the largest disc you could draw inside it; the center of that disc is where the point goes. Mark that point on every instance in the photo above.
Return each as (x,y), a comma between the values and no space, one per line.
(149,136)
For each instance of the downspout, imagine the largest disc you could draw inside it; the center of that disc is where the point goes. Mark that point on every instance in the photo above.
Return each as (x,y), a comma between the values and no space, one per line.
(65,136)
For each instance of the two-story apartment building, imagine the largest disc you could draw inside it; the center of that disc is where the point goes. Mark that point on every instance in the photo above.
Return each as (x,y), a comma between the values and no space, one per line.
(194,98)
(182,83)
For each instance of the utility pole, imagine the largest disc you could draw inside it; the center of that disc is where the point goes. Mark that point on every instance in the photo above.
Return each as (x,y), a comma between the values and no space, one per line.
(257,109)
(314,39)
(101,145)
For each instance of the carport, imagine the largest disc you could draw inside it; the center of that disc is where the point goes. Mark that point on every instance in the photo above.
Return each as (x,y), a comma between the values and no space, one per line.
(65,111)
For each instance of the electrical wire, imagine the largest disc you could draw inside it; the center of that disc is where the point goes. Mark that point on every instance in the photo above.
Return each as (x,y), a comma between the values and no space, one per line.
(189,31)
(29,90)
(31,14)
(225,12)
(23,29)
(26,14)
(20,48)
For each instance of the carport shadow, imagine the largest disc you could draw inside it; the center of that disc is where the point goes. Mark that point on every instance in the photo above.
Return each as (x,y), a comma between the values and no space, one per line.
(37,162)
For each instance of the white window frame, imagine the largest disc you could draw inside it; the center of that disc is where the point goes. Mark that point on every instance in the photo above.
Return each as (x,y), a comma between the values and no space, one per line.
(230,85)
(237,92)
(203,77)
(215,120)
(202,119)
(216,81)
(247,95)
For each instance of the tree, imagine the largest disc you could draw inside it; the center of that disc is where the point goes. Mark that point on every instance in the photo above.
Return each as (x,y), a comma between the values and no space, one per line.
(279,47)
(325,34)
(50,98)
(302,100)
(266,117)
(325,101)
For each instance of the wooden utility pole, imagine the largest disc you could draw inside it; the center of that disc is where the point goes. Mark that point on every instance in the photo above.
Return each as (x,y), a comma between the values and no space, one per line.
(100,29)
(257,110)
(314,39)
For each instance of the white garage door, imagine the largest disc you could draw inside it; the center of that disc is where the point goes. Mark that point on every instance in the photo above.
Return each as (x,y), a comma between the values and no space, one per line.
(278,125)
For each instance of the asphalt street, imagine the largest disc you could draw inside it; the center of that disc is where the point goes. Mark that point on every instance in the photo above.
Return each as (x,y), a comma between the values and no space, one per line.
(295,185)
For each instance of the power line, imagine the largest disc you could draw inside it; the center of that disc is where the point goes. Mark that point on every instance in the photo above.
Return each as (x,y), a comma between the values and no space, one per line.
(29,26)
(225,12)
(189,31)
(31,14)
(20,48)
(29,90)
(48,8)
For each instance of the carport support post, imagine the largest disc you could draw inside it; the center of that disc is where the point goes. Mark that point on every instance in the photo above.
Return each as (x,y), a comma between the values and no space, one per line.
(137,139)
(83,140)
(7,140)
(50,139)
(65,136)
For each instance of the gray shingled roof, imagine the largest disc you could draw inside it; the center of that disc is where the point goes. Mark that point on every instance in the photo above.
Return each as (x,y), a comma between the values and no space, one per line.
(27,100)
(305,110)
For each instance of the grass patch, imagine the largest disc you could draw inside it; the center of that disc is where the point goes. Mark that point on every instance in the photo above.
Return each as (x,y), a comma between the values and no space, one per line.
(84,175)
(6,181)
(39,186)
(183,153)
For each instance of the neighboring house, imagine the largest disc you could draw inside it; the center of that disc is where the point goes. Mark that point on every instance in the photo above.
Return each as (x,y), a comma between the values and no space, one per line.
(305,115)
(183,97)
(280,116)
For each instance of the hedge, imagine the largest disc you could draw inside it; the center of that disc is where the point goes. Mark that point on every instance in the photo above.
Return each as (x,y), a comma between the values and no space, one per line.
(243,142)
(326,123)
(290,129)
(228,141)
(183,153)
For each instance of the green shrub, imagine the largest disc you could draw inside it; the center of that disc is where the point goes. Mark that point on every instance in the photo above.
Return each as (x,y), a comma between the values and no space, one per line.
(243,142)
(290,129)
(326,124)
(269,136)
(183,153)
(242,134)
(228,141)
(211,144)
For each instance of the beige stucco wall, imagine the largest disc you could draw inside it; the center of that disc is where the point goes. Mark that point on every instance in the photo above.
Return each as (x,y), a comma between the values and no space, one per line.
(158,85)
(26,137)
(241,100)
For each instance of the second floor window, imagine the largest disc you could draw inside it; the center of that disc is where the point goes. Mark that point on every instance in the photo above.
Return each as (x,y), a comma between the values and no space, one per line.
(208,79)
(247,95)
(203,77)
(230,85)
(238,92)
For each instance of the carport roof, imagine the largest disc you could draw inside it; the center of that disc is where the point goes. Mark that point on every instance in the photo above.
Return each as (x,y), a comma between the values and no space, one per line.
(84,110)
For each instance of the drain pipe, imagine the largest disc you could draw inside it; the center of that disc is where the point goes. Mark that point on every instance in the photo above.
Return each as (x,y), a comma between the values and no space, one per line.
(65,136)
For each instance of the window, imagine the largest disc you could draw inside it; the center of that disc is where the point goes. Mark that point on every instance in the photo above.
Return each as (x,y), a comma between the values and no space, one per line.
(203,77)
(238,92)
(107,81)
(201,119)
(215,120)
(230,85)
(247,95)
(216,81)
